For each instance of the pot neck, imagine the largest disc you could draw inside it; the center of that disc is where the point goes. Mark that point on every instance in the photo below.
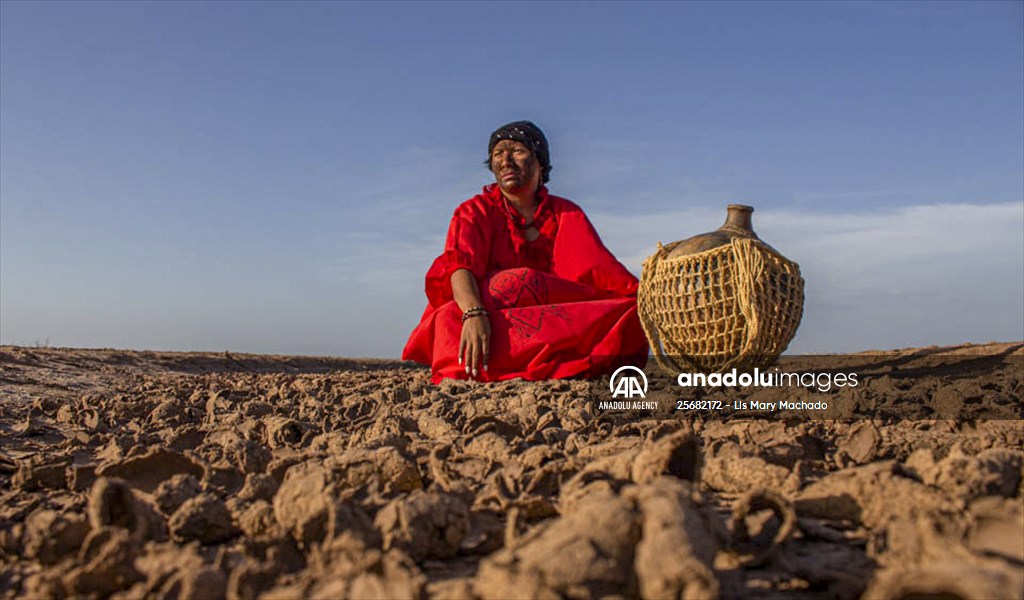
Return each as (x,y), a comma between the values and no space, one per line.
(738,220)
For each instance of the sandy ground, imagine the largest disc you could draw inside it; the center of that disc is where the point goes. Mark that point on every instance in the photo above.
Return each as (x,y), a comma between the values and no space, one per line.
(201,475)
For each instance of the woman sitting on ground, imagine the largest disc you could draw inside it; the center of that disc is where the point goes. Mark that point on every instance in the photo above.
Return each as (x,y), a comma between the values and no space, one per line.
(525,288)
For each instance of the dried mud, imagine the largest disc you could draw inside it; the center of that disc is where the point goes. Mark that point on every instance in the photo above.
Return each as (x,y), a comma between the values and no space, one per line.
(197,475)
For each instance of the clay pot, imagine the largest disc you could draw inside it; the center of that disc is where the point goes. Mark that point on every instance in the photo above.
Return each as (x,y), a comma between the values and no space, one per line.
(720,300)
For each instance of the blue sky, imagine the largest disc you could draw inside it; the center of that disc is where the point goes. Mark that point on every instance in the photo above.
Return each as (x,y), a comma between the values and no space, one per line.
(277,177)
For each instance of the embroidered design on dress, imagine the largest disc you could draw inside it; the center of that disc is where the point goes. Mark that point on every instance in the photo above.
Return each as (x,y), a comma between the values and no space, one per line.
(525,293)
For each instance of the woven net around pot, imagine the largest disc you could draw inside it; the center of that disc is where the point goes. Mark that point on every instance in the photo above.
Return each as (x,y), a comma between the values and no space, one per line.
(737,305)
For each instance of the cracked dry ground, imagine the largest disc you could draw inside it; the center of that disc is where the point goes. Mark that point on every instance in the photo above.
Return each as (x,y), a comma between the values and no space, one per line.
(197,475)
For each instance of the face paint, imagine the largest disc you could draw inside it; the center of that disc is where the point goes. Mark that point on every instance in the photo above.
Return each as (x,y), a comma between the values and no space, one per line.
(530,136)
(515,167)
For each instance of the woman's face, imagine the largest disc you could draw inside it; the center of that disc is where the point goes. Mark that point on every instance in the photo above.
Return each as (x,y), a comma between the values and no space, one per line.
(515,167)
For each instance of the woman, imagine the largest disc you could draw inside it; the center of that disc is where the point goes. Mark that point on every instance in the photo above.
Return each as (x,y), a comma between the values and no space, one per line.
(525,288)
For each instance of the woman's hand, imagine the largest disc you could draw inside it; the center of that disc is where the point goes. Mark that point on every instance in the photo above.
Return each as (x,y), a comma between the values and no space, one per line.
(475,343)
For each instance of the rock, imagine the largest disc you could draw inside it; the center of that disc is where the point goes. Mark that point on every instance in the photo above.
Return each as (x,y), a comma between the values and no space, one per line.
(870,494)
(383,471)
(50,535)
(677,454)
(248,456)
(106,563)
(258,520)
(258,486)
(224,478)
(204,518)
(947,403)
(169,413)
(149,470)
(992,472)
(861,443)
(588,552)
(488,445)
(730,469)
(997,528)
(672,526)
(302,503)
(424,524)
(284,432)
(114,503)
(172,493)
(48,473)
(81,477)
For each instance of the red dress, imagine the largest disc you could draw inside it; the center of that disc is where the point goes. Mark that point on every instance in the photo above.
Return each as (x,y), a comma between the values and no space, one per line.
(560,306)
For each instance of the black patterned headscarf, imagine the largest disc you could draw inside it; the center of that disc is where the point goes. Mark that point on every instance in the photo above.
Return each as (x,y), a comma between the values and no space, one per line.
(529,135)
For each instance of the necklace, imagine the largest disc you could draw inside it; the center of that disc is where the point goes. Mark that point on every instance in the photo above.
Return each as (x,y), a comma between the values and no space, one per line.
(518,219)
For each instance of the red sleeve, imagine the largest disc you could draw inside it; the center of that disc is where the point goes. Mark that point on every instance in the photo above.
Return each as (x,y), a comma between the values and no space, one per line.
(580,255)
(467,247)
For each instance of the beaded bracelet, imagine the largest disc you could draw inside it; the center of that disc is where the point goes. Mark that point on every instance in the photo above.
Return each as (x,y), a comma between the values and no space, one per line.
(476,311)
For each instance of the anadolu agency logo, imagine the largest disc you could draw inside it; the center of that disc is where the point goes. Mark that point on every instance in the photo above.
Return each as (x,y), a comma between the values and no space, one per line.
(627,385)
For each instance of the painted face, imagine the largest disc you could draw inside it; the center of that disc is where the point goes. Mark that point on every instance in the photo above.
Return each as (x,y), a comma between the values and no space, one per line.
(515,167)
